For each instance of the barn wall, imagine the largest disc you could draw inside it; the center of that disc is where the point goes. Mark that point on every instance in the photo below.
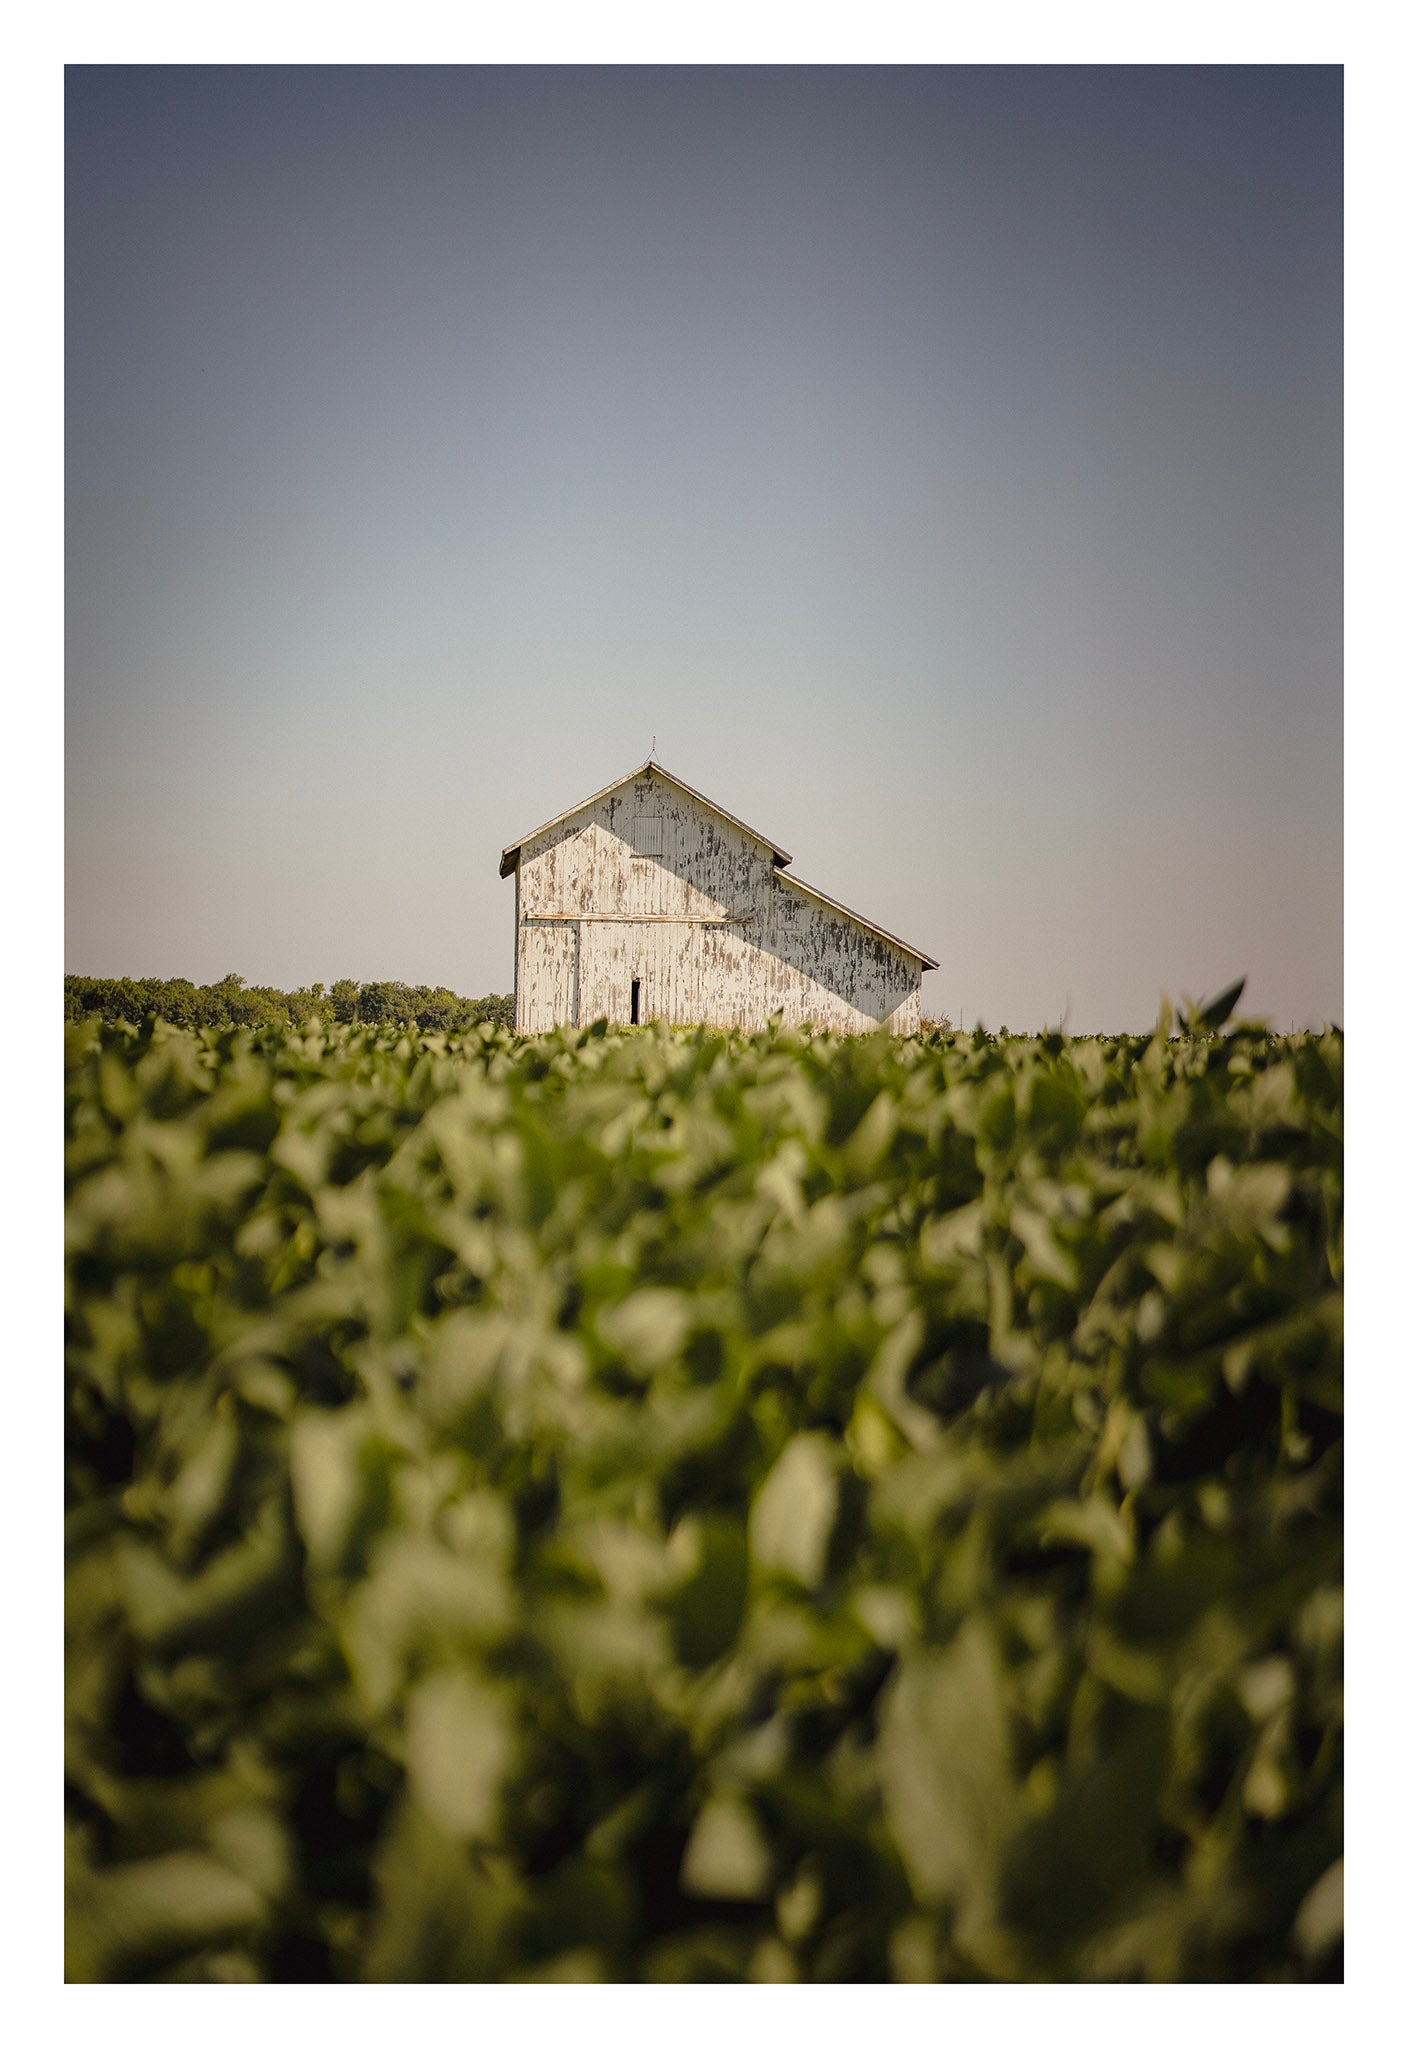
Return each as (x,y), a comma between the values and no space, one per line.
(648,885)
(548,986)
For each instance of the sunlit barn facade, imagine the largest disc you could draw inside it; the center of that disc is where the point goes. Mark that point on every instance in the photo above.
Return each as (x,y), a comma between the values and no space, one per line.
(649,901)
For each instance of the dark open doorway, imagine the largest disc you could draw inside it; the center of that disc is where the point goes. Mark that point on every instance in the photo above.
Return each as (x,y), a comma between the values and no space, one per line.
(635,1002)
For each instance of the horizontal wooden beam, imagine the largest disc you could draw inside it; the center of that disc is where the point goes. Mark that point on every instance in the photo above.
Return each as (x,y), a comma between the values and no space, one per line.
(624,917)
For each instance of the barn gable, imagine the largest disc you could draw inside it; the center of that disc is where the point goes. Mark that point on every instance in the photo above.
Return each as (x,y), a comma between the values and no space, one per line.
(649,900)
(662,778)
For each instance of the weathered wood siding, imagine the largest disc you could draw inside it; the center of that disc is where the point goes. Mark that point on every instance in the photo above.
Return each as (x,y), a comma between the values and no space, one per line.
(648,885)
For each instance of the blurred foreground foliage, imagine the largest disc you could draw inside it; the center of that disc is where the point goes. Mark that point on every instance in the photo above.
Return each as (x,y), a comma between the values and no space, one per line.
(651,1505)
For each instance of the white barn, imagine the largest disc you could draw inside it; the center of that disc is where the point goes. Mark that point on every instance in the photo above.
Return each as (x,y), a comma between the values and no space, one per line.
(648,900)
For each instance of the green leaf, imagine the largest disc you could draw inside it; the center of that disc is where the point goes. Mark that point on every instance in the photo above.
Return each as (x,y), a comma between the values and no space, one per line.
(340,1470)
(648,1327)
(790,1525)
(1319,1923)
(133,1915)
(945,1770)
(421,1603)
(460,1747)
(727,1856)
(1221,1007)
(440,1917)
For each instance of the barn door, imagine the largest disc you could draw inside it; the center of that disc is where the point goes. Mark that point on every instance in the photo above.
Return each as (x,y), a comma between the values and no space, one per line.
(608,967)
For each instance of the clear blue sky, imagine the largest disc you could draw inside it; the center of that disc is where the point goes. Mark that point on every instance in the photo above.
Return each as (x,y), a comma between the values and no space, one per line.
(943,465)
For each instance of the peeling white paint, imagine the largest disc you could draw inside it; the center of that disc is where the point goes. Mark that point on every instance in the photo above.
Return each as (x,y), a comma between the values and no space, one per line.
(649,883)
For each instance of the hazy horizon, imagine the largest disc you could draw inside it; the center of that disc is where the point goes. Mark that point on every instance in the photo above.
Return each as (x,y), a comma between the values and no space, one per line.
(942,466)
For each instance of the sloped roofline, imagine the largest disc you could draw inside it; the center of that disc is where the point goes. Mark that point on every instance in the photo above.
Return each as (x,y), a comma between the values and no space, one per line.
(781,858)
(796,882)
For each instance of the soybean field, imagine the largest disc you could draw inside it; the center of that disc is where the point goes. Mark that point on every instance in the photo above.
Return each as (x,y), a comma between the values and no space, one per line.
(644,1504)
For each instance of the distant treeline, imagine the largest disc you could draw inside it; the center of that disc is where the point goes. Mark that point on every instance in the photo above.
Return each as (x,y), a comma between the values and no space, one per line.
(231,1001)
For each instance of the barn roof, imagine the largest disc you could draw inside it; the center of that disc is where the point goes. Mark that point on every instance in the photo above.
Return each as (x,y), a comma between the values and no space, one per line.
(509,861)
(796,882)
